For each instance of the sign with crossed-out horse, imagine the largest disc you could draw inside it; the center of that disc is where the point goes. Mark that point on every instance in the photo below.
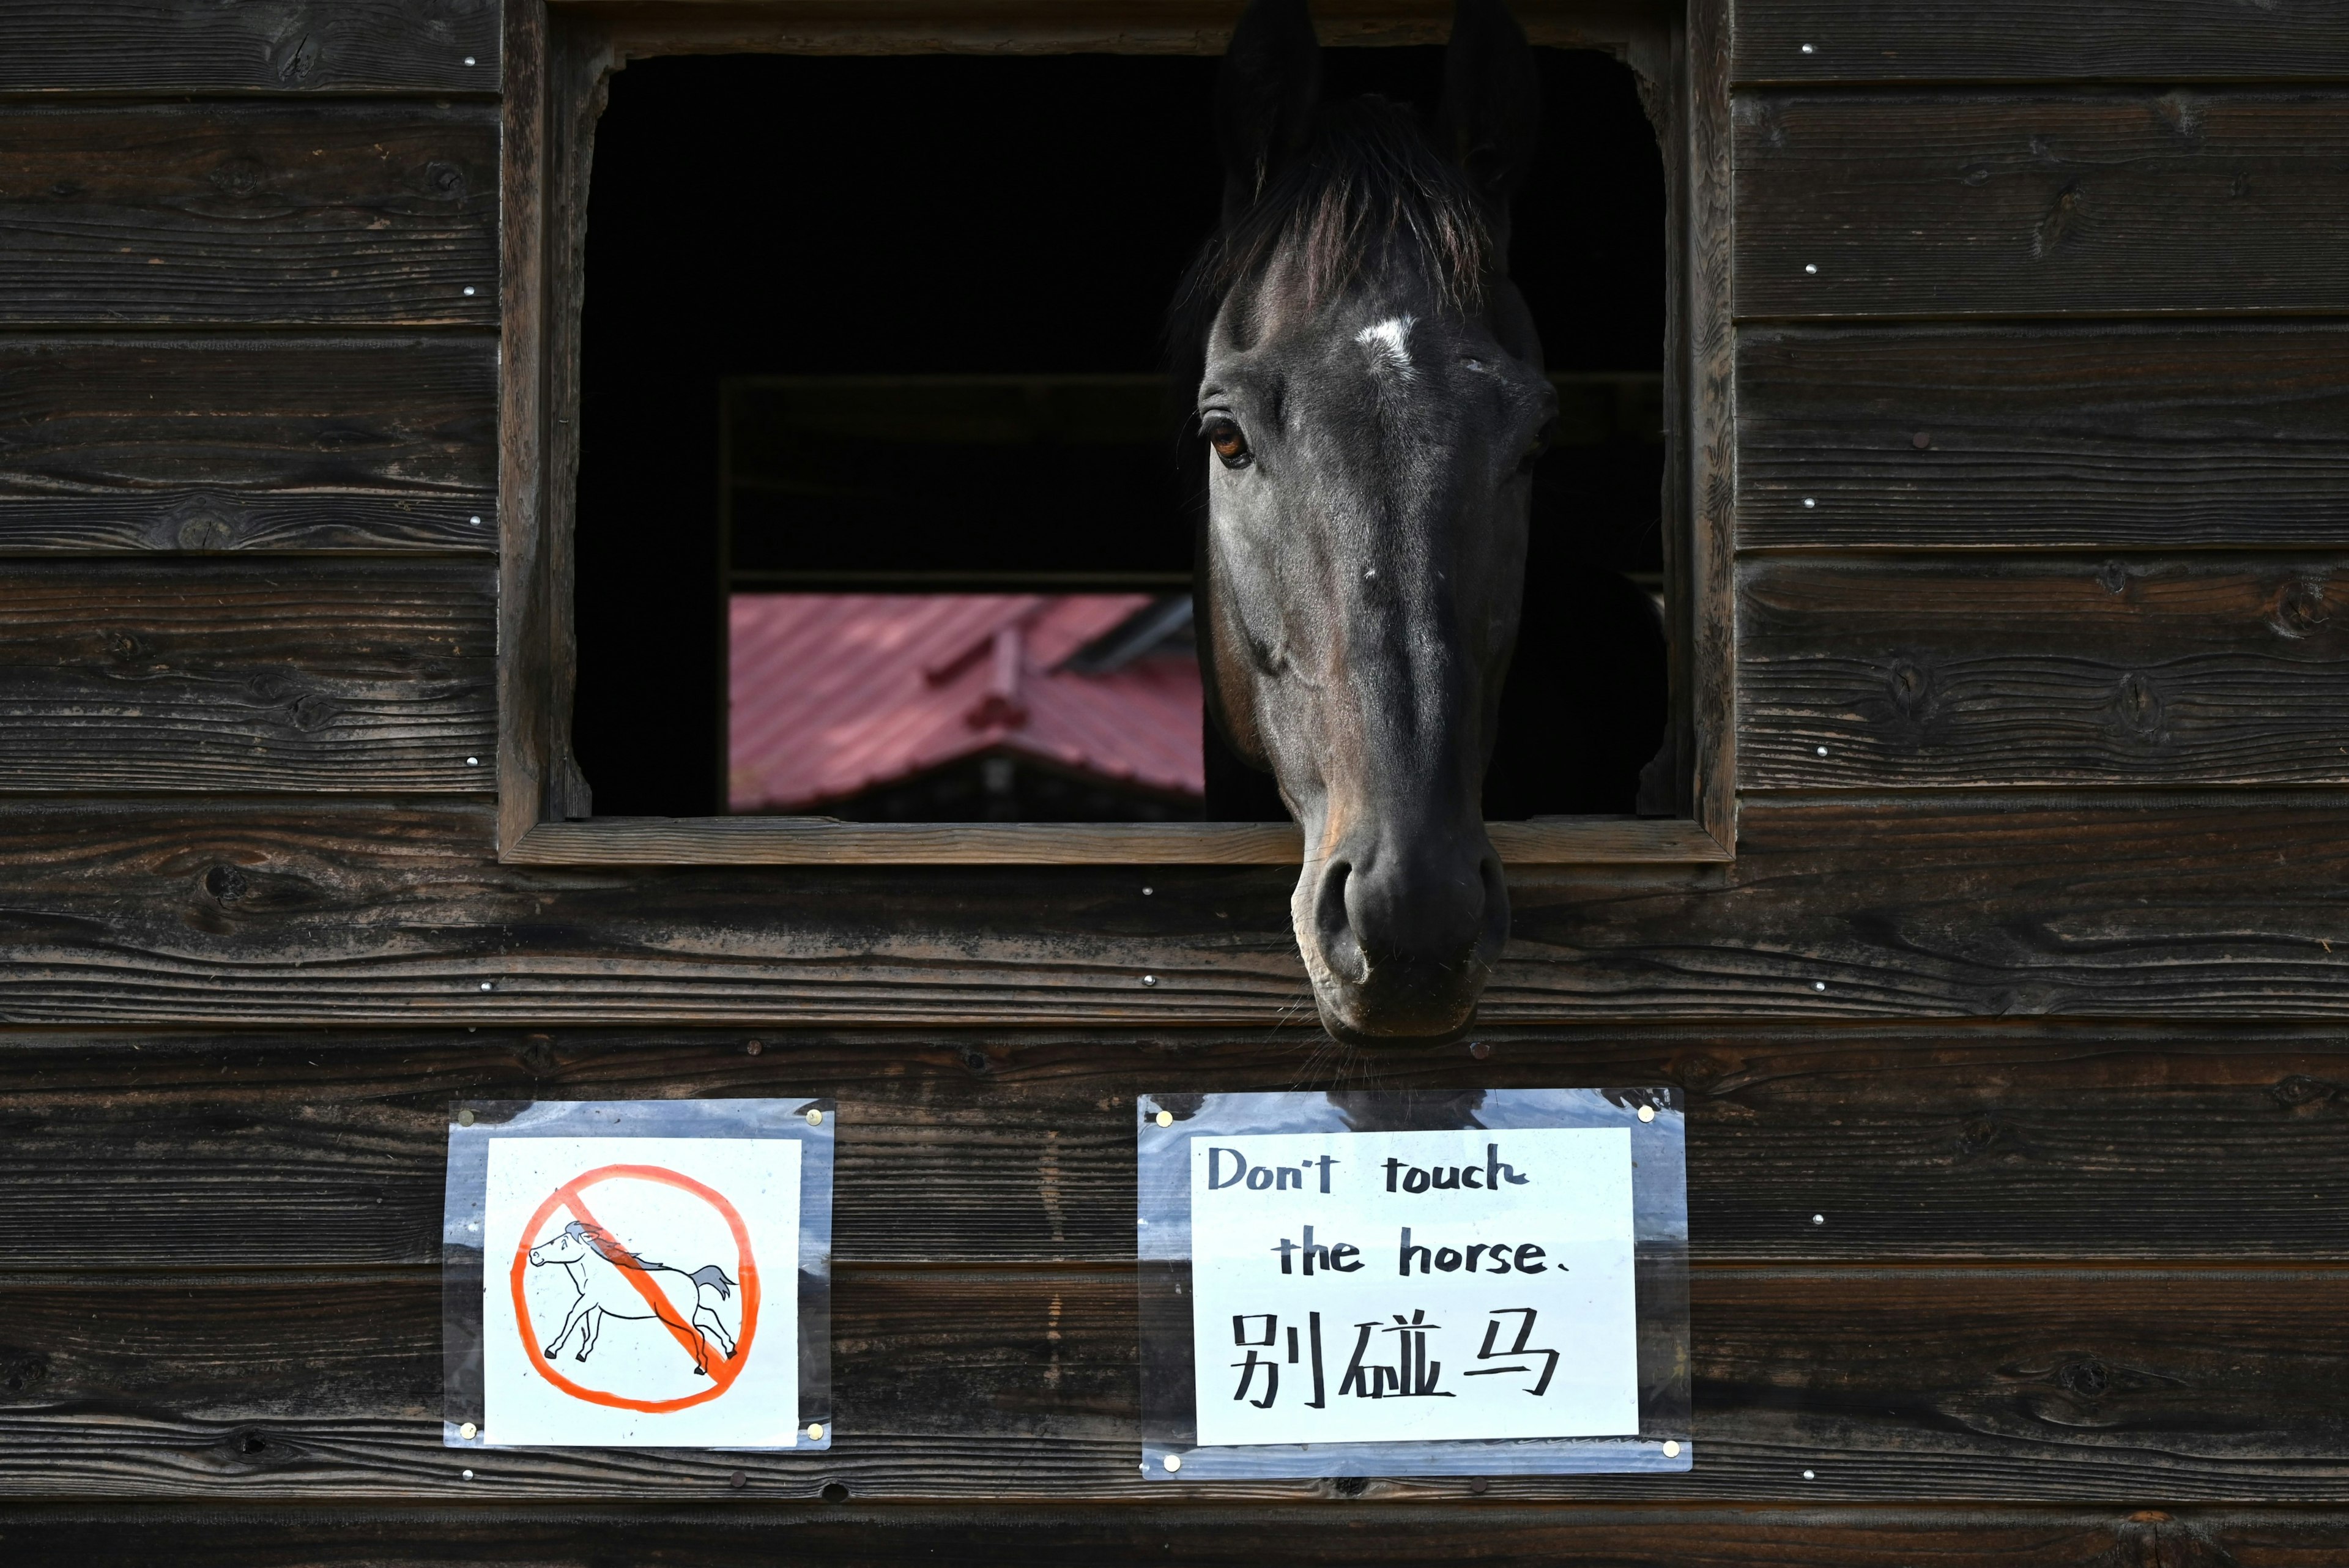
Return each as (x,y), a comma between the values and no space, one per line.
(624,1300)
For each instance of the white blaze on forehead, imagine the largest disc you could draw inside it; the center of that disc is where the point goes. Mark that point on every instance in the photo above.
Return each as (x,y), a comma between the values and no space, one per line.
(1391,338)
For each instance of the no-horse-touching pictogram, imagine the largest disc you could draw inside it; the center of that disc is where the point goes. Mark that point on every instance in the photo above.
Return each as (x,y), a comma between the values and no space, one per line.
(710,1308)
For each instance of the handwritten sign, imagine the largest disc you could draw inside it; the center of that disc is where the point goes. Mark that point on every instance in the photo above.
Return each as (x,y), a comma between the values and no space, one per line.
(1413,1286)
(641,1291)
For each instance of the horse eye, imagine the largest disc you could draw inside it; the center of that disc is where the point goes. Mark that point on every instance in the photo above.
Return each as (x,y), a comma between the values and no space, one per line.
(1230,444)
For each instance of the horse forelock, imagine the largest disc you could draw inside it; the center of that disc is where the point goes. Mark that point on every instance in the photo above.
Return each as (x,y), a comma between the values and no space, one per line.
(1368,199)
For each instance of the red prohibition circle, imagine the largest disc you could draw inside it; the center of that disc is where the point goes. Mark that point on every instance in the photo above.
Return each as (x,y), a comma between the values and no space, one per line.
(721,1374)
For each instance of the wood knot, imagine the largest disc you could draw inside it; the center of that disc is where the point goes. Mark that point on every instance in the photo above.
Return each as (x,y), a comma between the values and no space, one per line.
(247,1449)
(2113,576)
(2061,220)
(205,523)
(975,1060)
(206,532)
(1348,1486)
(1910,688)
(833,1492)
(226,884)
(537,1053)
(2299,609)
(2136,706)
(293,59)
(22,1371)
(1979,1136)
(314,711)
(445,180)
(238,176)
(2086,1378)
(2299,1089)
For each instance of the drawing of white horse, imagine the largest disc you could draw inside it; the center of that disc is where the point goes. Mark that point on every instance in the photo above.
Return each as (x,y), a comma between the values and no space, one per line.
(595,1261)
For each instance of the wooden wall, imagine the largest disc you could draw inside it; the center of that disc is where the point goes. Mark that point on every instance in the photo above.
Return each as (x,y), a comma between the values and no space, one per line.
(2025,982)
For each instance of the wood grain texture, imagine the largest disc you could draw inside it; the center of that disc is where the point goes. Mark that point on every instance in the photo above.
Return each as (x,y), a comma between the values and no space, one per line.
(2006,1143)
(2178,436)
(1980,203)
(1704,647)
(237,675)
(2038,1385)
(283,444)
(221,212)
(2014,670)
(2163,41)
(364,911)
(743,1533)
(530,288)
(259,46)
(814,841)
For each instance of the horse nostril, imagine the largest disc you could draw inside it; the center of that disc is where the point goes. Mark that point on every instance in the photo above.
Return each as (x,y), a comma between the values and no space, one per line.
(1333,928)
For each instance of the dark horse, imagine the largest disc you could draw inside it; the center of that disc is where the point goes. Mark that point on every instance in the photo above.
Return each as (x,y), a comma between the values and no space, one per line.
(1372,395)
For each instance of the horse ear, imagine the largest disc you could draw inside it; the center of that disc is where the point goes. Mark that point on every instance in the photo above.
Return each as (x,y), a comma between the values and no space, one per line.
(574,1230)
(1266,93)
(1491,115)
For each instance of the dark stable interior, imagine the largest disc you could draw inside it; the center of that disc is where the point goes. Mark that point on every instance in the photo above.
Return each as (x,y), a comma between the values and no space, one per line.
(788,216)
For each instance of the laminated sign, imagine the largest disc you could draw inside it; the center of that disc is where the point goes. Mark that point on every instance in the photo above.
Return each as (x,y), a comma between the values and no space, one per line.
(636,1271)
(1413,1283)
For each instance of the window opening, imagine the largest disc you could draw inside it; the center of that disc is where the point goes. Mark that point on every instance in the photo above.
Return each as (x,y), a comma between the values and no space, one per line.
(882,513)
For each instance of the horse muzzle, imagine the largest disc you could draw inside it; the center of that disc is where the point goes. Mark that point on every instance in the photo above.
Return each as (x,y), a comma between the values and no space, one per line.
(1400,939)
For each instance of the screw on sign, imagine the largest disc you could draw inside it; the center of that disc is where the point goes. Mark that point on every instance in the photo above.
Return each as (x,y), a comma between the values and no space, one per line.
(710,1308)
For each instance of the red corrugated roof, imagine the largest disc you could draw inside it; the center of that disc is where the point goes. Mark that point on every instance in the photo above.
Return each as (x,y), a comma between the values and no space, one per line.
(835,693)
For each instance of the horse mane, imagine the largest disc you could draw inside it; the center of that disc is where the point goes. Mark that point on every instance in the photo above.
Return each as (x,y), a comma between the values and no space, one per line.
(608,1248)
(1369,190)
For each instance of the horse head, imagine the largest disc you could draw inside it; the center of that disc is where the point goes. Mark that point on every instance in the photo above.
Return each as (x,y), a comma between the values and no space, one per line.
(1373,397)
(568,1246)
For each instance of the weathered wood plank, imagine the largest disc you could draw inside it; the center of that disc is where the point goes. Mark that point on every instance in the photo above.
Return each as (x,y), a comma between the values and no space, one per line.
(248,213)
(2184,435)
(2005,1142)
(281,444)
(2013,1384)
(817,841)
(366,911)
(2163,41)
(1859,674)
(1385,1534)
(292,45)
(246,675)
(2010,203)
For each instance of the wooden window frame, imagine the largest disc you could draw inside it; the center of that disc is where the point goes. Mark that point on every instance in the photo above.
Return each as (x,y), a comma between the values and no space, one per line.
(558,62)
